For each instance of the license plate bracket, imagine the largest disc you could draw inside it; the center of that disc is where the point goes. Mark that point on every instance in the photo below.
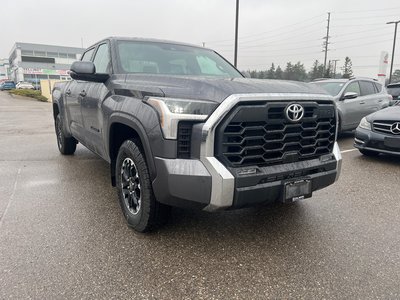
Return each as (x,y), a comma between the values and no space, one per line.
(297,190)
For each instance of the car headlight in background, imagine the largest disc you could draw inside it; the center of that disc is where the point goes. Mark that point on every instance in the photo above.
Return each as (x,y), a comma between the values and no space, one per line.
(173,110)
(365,124)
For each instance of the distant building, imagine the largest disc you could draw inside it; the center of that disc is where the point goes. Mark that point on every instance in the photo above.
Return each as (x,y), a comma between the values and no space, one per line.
(32,62)
(4,66)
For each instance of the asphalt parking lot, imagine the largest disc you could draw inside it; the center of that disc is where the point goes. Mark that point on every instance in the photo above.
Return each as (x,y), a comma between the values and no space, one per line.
(62,234)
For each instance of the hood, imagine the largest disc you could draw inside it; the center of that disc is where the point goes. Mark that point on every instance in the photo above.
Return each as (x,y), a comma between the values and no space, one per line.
(390,114)
(217,89)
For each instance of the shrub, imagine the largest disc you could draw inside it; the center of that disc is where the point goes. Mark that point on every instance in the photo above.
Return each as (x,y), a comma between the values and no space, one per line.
(29,93)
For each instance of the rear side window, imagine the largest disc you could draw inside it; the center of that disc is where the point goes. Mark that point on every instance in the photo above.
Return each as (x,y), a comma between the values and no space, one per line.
(102,59)
(353,87)
(367,88)
(87,55)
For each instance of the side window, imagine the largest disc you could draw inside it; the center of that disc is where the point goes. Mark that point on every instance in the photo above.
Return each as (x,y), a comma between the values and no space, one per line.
(87,55)
(353,87)
(378,87)
(102,59)
(367,88)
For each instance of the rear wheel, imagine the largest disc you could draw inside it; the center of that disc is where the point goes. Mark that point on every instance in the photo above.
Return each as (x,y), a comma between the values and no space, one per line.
(141,209)
(66,145)
(369,153)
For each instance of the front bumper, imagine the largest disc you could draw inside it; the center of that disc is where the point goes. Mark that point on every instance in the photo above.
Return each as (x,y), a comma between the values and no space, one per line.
(207,184)
(374,141)
(190,183)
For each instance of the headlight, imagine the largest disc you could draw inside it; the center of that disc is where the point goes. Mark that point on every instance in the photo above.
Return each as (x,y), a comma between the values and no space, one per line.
(365,124)
(172,110)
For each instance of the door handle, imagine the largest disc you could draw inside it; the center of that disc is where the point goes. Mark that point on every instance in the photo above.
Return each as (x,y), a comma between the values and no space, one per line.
(68,92)
(362,102)
(82,93)
(380,100)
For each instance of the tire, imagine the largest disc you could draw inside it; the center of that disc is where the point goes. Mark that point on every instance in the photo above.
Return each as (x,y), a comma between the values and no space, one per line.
(369,153)
(67,146)
(139,206)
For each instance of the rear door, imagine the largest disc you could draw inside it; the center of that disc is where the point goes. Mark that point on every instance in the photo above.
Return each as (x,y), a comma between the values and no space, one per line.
(96,93)
(372,100)
(74,94)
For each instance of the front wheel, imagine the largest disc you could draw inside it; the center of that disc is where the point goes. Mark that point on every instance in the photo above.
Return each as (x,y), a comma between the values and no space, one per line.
(66,145)
(141,209)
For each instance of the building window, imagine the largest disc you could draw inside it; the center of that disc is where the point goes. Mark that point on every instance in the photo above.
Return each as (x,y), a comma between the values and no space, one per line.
(40,53)
(63,55)
(72,56)
(26,52)
(52,54)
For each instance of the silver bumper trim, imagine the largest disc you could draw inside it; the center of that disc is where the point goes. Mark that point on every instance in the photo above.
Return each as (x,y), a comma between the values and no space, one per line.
(338,157)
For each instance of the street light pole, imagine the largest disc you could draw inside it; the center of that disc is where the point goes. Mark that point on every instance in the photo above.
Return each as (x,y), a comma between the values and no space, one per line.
(236,32)
(394,47)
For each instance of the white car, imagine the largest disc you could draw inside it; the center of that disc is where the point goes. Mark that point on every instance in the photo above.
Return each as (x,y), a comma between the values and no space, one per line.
(25,85)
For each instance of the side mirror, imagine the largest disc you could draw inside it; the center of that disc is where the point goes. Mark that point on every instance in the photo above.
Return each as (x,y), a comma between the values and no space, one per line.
(86,71)
(350,95)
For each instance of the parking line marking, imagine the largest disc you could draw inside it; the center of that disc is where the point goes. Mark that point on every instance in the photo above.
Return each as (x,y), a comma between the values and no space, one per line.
(350,150)
(10,199)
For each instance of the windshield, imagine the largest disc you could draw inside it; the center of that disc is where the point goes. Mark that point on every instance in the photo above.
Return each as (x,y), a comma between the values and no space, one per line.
(333,88)
(394,91)
(171,59)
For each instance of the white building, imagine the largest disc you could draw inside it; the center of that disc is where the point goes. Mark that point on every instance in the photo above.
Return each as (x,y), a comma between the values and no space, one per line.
(32,62)
(4,66)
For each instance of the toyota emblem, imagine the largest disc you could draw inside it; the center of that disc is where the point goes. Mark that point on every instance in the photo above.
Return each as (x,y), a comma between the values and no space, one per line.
(395,128)
(294,112)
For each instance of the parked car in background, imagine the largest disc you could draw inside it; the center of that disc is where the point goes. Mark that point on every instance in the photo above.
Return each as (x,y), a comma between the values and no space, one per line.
(394,90)
(355,98)
(25,85)
(379,133)
(7,85)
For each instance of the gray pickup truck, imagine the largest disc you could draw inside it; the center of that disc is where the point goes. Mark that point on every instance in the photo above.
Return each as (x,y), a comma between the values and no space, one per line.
(180,126)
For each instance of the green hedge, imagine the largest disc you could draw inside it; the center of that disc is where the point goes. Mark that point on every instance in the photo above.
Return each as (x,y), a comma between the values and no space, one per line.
(29,93)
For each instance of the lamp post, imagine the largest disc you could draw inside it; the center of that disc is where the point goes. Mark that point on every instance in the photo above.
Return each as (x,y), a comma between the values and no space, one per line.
(236,32)
(394,47)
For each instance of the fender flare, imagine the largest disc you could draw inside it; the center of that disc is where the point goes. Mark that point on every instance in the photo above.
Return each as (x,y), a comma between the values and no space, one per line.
(132,122)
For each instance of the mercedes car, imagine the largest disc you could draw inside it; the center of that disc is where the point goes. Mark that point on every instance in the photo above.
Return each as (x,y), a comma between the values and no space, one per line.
(379,133)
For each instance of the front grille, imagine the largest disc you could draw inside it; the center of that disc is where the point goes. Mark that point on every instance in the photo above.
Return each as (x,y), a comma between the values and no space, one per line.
(184,139)
(261,135)
(384,126)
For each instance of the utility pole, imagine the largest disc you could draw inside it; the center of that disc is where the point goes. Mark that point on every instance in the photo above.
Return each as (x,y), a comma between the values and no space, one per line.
(334,68)
(394,47)
(236,32)
(326,41)
(204,44)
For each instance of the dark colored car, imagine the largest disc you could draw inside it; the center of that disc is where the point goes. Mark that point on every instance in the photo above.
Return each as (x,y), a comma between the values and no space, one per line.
(7,85)
(379,133)
(180,126)
(394,90)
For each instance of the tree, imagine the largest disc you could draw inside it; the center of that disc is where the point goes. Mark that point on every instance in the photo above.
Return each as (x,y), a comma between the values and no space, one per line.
(317,71)
(347,68)
(278,73)
(271,72)
(396,76)
(328,72)
(295,72)
(299,71)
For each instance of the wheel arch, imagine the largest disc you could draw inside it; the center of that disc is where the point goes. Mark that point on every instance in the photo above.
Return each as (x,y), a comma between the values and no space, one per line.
(121,128)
